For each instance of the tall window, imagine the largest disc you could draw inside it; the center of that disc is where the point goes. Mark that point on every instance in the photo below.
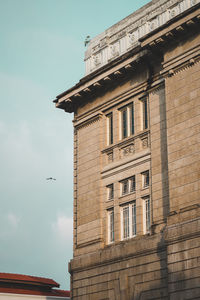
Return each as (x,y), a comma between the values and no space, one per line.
(147,215)
(127,121)
(128,221)
(109,129)
(111,233)
(110,191)
(127,185)
(145,179)
(145,113)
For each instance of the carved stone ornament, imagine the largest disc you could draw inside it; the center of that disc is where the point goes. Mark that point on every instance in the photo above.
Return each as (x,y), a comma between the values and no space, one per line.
(173,12)
(113,42)
(97,60)
(193,2)
(114,49)
(153,24)
(110,157)
(132,38)
(145,143)
(128,150)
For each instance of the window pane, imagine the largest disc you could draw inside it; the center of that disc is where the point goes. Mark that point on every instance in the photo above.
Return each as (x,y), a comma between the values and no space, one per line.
(145,113)
(132,184)
(146,178)
(147,208)
(125,187)
(125,222)
(111,226)
(110,189)
(131,119)
(110,128)
(124,123)
(134,219)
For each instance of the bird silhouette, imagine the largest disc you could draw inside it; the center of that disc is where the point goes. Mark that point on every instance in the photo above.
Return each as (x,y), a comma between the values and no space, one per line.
(87,40)
(50,178)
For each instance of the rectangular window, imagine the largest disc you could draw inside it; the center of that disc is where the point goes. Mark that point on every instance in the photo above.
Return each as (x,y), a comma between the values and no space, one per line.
(111,226)
(145,113)
(128,185)
(109,129)
(145,179)
(127,121)
(128,221)
(110,191)
(147,215)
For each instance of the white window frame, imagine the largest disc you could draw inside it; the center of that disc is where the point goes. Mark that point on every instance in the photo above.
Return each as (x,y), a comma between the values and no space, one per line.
(129,184)
(109,125)
(110,192)
(128,110)
(144,179)
(146,215)
(131,230)
(111,227)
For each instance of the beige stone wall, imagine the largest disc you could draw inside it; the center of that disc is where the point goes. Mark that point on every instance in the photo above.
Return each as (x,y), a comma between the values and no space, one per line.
(162,264)
(88,208)
(159,157)
(122,273)
(183,134)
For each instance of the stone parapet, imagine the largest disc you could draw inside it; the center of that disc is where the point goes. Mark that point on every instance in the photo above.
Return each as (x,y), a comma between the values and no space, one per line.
(126,34)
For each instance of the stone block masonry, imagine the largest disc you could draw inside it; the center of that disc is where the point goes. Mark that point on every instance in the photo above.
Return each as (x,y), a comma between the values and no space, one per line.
(137,158)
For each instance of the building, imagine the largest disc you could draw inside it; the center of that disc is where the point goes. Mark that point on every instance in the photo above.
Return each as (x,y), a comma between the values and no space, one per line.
(17,286)
(137,158)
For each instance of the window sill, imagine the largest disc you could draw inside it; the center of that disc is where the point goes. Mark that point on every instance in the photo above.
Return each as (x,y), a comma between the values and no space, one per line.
(128,194)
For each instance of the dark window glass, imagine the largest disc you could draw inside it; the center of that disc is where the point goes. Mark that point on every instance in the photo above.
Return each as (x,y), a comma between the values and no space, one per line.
(132,184)
(132,119)
(145,113)
(110,129)
(124,123)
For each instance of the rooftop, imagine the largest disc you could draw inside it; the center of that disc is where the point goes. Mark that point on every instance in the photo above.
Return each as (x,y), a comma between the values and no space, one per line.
(32,285)
(126,34)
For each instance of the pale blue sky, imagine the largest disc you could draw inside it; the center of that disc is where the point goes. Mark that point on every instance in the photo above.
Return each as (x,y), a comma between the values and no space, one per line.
(41,55)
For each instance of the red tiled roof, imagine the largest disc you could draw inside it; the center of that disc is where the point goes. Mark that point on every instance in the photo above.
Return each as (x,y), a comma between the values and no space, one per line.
(53,292)
(26,279)
(31,285)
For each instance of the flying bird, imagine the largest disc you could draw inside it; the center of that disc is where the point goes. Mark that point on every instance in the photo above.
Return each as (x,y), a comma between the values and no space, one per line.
(50,178)
(87,40)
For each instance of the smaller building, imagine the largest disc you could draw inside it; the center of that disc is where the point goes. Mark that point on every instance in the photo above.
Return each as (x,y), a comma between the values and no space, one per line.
(16,286)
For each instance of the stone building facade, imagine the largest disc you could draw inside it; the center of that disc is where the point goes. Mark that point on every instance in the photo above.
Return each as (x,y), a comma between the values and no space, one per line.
(137,158)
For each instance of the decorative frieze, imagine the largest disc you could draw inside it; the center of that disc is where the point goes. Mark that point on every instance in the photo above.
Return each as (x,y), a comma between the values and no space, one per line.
(145,142)
(110,157)
(127,150)
(126,34)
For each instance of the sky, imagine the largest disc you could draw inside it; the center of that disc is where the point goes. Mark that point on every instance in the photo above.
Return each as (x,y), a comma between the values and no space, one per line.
(41,56)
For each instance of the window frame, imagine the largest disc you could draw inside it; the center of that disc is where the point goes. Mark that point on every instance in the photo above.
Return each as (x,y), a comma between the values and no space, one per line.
(111,225)
(131,230)
(145,175)
(129,181)
(146,215)
(109,125)
(145,113)
(127,121)
(110,192)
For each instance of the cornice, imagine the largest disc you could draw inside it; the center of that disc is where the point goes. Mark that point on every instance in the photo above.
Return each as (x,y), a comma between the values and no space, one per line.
(127,33)
(122,67)
(182,62)
(86,122)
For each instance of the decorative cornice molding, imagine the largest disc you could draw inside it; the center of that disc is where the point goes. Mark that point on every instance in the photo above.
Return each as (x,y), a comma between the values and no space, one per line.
(85,123)
(182,62)
(126,34)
